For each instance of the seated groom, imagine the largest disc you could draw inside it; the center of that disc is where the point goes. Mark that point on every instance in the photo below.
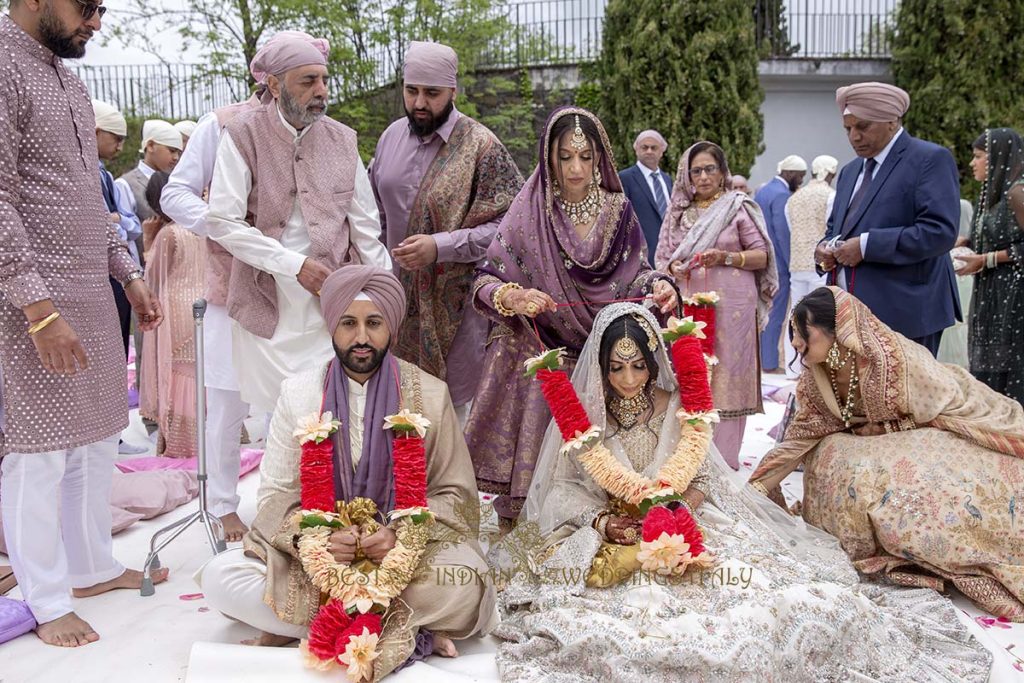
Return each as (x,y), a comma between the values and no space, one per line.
(264,584)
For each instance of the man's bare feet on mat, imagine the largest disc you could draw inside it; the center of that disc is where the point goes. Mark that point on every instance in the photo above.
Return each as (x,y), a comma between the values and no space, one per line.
(132,578)
(444,647)
(234,527)
(69,630)
(269,640)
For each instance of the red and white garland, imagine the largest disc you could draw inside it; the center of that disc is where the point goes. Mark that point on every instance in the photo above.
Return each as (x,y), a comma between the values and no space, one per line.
(700,306)
(347,628)
(672,543)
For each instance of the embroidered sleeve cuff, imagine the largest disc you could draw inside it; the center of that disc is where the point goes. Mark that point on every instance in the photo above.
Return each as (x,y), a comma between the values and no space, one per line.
(25,289)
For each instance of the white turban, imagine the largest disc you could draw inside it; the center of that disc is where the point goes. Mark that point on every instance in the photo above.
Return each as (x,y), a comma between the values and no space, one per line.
(161,133)
(823,165)
(650,134)
(185,128)
(792,163)
(108,118)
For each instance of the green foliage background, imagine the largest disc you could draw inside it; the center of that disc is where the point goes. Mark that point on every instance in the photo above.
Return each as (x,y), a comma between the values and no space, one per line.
(960,60)
(687,69)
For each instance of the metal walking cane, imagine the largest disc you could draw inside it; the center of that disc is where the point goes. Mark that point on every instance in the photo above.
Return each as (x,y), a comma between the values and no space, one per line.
(214,529)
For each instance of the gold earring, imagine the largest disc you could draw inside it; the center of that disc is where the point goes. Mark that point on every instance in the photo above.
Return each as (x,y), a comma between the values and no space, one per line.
(832,360)
(597,176)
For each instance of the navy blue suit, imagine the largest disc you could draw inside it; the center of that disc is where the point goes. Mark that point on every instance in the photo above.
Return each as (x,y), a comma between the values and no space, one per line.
(638,191)
(772,199)
(911,212)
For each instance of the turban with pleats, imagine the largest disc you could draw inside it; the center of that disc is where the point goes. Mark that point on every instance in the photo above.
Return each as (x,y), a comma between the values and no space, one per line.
(873,101)
(430,65)
(381,286)
(108,118)
(287,50)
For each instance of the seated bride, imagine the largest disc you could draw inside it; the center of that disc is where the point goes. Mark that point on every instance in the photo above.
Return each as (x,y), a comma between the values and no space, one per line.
(639,555)
(916,466)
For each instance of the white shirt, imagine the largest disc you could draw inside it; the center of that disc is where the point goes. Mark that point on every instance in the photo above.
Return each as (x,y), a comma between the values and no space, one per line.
(182,196)
(356,413)
(652,177)
(126,189)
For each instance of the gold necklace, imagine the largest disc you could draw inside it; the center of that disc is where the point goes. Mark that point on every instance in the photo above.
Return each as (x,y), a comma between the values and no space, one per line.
(845,412)
(705,203)
(627,411)
(582,212)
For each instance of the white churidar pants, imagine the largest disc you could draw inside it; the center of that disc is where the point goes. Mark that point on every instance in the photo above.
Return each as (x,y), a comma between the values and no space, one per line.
(54,550)
(235,584)
(801,283)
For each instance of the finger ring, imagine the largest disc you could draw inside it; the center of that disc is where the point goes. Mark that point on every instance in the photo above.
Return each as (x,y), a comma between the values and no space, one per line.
(822,265)
(630,535)
(531,308)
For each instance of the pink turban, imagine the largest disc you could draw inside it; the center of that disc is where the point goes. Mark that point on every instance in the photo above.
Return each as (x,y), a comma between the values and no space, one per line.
(288,50)
(431,64)
(381,286)
(650,134)
(873,101)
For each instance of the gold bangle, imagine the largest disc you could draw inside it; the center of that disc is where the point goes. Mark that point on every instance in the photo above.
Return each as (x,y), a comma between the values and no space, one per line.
(499,293)
(760,488)
(743,259)
(38,327)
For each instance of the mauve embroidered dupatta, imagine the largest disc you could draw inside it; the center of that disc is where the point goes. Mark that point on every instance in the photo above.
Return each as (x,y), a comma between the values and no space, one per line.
(537,247)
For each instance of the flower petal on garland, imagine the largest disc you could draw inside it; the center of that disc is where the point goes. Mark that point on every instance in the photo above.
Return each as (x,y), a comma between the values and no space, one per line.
(315,428)
(325,629)
(360,651)
(676,328)
(549,360)
(565,405)
(659,520)
(667,554)
(405,421)
(581,440)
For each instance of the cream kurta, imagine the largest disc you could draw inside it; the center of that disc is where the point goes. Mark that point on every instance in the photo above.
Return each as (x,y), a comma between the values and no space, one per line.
(300,339)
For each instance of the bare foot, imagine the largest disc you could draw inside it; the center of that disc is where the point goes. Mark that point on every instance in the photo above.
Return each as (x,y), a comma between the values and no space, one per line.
(69,630)
(234,527)
(269,640)
(444,646)
(132,578)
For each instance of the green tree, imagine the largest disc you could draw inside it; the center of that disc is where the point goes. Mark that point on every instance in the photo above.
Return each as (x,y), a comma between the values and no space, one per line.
(687,69)
(960,62)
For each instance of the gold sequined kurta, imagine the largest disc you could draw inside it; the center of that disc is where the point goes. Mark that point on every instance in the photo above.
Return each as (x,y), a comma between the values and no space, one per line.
(56,242)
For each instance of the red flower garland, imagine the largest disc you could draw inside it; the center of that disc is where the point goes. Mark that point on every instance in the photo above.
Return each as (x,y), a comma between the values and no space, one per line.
(692,375)
(661,520)
(565,405)
(705,314)
(410,471)
(333,627)
(316,475)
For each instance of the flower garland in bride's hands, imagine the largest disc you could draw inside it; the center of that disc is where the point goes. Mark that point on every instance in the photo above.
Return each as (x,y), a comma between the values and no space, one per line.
(346,630)
(696,413)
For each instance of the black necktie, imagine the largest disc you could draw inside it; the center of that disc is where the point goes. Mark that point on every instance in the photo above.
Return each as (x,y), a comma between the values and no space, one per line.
(869,171)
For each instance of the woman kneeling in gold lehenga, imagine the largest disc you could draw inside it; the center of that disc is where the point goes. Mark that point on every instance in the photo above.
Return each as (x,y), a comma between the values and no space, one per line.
(916,467)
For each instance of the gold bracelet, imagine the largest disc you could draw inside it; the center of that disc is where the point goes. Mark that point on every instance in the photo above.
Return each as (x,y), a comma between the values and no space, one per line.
(499,293)
(743,259)
(38,327)
(760,488)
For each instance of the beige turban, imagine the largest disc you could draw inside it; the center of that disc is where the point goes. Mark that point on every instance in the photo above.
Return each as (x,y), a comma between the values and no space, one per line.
(823,165)
(108,118)
(161,133)
(873,101)
(431,65)
(344,285)
(792,163)
(650,134)
(185,128)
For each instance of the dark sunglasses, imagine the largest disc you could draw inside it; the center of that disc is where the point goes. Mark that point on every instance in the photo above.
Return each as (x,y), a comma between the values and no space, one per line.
(91,8)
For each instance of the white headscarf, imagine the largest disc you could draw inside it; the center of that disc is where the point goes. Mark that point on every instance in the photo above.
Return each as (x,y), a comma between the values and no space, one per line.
(186,128)
(161,133)
(108,118)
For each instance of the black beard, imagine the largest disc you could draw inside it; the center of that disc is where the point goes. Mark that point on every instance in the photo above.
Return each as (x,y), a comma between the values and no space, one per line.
(361,366)
(53,38)
(424,128)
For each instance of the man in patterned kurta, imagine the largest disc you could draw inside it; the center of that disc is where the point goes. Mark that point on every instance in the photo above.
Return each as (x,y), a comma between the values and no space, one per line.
(443,183)
(64,393)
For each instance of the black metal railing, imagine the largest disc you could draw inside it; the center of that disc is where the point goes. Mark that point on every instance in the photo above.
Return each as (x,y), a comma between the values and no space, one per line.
(539,33)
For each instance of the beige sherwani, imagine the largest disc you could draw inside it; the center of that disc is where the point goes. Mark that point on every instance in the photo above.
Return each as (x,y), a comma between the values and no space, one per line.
(451,595)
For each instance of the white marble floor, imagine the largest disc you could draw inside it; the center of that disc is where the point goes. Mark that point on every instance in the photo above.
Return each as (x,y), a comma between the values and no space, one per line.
(173,636)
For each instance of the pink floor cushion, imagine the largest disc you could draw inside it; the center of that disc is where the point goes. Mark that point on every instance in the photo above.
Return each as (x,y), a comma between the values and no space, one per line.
(250,460)
(148,494)
(15,619)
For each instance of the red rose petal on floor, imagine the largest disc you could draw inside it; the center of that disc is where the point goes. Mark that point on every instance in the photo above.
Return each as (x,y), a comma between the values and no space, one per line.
(191,596)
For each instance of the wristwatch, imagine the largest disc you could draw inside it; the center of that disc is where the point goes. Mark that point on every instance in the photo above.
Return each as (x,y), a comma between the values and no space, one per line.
(728,258)
(132,277)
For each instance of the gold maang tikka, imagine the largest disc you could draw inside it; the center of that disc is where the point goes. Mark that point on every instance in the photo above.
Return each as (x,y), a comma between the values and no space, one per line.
(579,140)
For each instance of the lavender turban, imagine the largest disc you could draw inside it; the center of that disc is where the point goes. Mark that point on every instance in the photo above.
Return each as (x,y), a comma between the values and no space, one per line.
(873,101)
(288,50)
(343,286)
(650,134)
(430,64)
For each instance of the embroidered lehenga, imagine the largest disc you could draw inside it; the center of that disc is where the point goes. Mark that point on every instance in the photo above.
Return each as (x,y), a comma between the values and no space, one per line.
(782,602)
(935,501)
